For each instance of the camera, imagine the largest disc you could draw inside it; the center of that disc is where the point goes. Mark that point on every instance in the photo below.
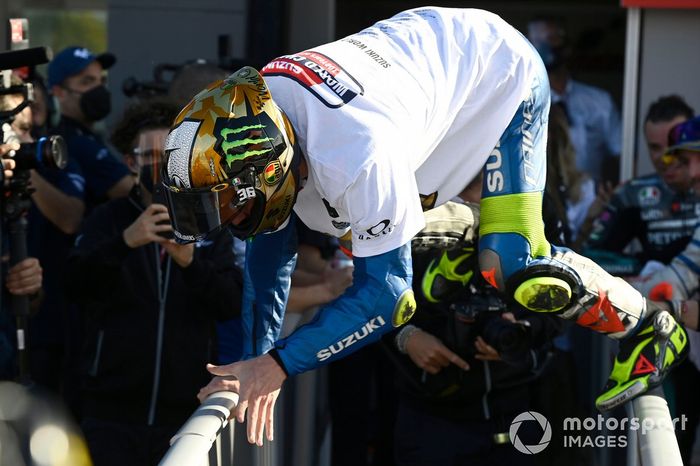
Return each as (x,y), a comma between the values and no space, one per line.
(16,199)
(50,152)
(482,315)
(159,198)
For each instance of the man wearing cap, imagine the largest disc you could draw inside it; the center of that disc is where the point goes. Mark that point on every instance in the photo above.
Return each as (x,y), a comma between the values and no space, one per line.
(659,210)
(679,282)
(75,78)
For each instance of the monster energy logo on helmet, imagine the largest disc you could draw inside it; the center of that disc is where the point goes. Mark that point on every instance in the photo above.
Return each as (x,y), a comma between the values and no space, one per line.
(254,140)
(230,147)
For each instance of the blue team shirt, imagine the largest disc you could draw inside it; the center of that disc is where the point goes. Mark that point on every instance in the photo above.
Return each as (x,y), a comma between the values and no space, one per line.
(92,169)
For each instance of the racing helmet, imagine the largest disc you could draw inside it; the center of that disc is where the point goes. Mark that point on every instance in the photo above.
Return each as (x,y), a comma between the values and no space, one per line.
(230,161)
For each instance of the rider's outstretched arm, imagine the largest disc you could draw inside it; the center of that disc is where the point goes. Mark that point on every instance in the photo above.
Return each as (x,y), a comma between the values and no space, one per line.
(269,263)
(380,299)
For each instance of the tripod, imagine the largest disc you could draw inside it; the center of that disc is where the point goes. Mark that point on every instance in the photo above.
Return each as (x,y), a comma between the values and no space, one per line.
(15,209)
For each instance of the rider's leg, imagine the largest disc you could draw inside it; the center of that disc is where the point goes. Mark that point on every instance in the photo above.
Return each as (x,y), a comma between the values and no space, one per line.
(515,257)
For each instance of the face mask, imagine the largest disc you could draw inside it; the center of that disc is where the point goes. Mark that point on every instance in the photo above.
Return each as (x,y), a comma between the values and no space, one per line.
(553,57)
(148,153)
(96,103)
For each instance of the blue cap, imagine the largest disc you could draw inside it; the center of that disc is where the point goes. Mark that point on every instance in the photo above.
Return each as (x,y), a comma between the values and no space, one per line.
(684,136)
(72,60)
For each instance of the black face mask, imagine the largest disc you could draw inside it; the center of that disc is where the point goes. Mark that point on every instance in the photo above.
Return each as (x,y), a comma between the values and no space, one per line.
(146,178)
(96,103)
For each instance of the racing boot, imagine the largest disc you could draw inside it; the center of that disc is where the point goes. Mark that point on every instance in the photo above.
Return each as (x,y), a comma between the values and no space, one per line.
(447,274)
(576,288)
(644,359)
(448,243)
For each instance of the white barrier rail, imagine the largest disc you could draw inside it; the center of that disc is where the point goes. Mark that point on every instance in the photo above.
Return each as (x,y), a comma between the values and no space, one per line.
(190,446)
(654,444)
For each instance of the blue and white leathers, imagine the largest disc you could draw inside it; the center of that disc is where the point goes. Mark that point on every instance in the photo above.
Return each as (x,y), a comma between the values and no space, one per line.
(514,254)
(269,263)
(359,317)
(512,233)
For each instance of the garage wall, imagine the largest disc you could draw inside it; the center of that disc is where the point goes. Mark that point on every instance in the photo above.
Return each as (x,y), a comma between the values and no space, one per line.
(670,63)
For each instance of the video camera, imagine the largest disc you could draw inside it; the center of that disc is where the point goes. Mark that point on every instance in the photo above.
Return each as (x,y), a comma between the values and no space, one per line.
(481,314)
(164,74)
(50,152)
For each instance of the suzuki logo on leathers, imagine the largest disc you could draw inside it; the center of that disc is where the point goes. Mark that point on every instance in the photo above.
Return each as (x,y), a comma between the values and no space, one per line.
(374,324)
(495,180)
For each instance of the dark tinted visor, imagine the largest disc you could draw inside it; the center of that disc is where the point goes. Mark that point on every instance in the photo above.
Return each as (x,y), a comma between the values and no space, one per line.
(196,213)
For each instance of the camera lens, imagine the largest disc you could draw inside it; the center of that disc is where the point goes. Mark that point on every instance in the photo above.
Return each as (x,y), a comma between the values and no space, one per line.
(506,337)
(48,152)
(54,153)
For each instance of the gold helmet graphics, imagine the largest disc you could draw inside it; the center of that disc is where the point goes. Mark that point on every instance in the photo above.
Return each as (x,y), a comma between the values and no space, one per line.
(230,161)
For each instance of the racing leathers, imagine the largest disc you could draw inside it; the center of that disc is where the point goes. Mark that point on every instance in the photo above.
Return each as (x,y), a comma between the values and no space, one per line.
(399,118)
(648,210)
(679,279)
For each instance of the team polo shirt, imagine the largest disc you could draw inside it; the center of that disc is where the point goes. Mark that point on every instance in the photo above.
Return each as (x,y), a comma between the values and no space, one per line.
(93,169)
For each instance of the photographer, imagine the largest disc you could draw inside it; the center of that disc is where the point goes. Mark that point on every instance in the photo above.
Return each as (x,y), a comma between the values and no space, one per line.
(466,358)
(150,306)
(60,205)
(50,201)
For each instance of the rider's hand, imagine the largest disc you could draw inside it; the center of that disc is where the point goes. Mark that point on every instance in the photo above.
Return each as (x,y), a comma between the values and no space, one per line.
(430,354)
(257,382)
(146,227)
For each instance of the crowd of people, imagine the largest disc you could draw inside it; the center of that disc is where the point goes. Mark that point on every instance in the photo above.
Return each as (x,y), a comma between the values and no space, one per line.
(270,226)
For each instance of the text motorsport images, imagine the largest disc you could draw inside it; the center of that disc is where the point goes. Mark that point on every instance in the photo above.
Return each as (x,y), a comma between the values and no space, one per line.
(587,432)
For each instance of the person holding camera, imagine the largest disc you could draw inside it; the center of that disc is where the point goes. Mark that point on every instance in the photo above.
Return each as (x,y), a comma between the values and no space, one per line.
(54,210)
(467,357)
(52,190)
(150,306)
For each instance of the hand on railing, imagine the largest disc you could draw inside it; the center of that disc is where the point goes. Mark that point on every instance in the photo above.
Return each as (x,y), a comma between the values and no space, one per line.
(258,382)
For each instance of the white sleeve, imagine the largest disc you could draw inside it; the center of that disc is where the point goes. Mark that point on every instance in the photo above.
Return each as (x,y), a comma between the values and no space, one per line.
(681,274)
(384,207)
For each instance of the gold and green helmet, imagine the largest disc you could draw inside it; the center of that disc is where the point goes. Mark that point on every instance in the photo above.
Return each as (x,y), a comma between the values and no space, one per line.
(230,161)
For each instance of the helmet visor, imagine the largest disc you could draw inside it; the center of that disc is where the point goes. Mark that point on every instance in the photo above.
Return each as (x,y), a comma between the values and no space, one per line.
(196,213)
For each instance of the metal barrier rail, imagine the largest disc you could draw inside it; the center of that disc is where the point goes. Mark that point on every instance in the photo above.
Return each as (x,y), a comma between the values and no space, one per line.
(654,443)
(191,445)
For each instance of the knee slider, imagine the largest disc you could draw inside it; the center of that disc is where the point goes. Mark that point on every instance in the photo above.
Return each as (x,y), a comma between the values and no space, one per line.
(545,285)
